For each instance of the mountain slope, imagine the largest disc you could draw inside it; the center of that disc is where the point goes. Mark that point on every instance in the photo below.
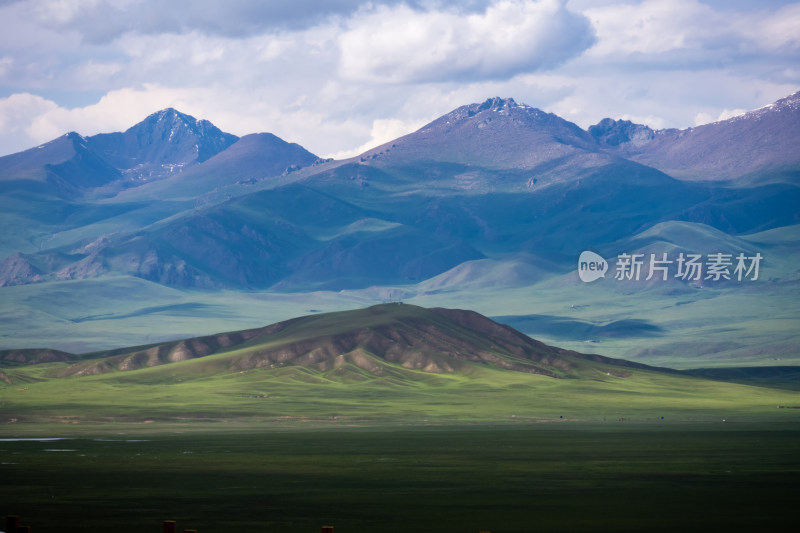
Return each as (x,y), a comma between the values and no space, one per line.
(761,145)
(63,197)
(33,356)
(62,168)
(248,161)
(395,364)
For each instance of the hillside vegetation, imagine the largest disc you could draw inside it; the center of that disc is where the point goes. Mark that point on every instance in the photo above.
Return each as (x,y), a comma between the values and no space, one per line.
(393,362)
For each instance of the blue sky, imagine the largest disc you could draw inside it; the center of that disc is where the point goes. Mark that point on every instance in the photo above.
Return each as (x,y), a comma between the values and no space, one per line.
(340,76)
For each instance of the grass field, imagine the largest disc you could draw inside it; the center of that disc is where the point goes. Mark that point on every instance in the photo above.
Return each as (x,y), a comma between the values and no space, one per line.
(205,389)
(559,476)
(292,449)
(225,448)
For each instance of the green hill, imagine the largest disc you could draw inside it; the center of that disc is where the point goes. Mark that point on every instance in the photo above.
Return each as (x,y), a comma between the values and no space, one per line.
(391,362)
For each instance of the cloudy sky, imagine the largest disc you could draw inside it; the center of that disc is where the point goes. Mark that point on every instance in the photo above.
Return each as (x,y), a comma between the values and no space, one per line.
(340,76)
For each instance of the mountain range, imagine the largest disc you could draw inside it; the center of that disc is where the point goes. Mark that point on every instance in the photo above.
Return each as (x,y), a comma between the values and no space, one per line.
(491,195)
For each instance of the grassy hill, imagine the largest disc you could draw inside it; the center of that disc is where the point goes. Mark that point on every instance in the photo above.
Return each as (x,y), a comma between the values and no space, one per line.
(392,362)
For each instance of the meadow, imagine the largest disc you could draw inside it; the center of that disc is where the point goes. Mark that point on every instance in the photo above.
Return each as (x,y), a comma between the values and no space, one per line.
(222,447)
(293,449)
(503,477)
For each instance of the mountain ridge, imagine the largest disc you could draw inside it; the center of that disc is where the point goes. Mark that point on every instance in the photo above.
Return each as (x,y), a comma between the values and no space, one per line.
(760,140)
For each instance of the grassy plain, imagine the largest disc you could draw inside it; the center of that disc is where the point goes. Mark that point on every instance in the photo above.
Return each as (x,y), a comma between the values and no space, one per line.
(559,476)
(204,388)
(292,449)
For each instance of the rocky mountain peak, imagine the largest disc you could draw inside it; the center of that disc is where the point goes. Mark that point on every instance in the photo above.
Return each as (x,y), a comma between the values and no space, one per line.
(494,105)
(176,127)
(612,132)
(174,121)
(163,143)
(497,104)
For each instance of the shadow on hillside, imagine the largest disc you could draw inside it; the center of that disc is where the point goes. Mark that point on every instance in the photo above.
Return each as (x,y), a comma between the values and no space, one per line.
(579,330)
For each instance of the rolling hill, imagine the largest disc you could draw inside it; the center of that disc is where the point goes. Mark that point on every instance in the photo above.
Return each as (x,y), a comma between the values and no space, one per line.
(371,342)
(391,362)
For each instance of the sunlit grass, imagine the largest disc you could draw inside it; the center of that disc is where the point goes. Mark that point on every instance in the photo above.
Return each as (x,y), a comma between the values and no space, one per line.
(204,388)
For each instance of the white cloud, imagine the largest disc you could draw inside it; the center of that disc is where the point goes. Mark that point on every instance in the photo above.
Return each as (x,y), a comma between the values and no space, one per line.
(725,114)
(95,72)
(102,21)
(650,27)
(689,31)
(59,11)
(400,44)
(774,30)
(16,115)
(657,98)
(383,131)
(270,62)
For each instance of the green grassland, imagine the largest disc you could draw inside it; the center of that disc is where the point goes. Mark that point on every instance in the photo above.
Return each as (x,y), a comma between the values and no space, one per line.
(291,448)
(216,387)
(504,478)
